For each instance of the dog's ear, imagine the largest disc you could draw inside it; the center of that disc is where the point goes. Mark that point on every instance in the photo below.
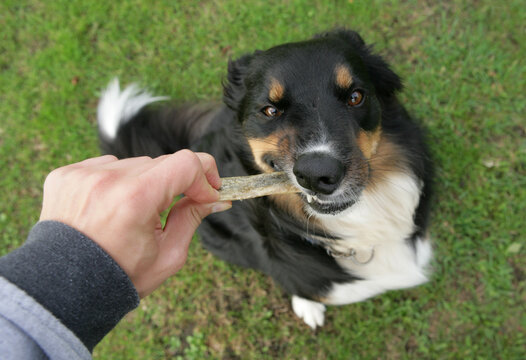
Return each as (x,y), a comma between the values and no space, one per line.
(234,86)
(385,81)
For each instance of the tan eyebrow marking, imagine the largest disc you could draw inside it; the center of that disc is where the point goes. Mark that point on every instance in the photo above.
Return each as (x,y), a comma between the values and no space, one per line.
(276,91)
(343,76)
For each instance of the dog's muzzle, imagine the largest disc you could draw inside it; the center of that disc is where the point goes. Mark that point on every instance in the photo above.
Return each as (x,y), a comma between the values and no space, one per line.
(320,176)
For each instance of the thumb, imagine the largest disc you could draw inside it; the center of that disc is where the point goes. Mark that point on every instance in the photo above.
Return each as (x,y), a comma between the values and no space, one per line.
(185,216)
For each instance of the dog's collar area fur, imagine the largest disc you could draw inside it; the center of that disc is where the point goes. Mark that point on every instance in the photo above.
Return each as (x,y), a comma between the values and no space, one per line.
(350,254)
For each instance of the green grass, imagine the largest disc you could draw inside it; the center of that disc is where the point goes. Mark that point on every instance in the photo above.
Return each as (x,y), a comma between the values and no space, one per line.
(464,70)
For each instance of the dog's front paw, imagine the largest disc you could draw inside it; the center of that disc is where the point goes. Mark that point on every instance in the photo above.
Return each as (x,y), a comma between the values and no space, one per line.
(311,312)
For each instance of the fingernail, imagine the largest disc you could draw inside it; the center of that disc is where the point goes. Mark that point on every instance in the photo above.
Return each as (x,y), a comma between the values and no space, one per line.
(221,206)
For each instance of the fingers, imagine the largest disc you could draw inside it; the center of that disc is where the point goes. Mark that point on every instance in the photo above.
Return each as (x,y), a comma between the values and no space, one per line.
(183,172)
(209,166)
(182,221)
(183,164)
(203,188)
(159,180)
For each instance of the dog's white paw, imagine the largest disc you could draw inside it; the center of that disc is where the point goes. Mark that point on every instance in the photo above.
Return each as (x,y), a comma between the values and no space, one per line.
(311,312)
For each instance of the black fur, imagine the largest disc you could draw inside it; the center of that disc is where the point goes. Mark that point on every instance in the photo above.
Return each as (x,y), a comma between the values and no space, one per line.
(261,233)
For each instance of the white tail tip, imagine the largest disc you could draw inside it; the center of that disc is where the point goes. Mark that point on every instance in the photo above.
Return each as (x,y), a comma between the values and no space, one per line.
(116,107)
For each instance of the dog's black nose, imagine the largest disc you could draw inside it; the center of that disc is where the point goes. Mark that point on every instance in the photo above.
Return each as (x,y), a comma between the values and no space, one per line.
(319,172)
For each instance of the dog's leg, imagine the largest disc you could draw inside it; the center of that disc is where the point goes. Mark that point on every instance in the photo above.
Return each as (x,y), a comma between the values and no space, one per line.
(311,312)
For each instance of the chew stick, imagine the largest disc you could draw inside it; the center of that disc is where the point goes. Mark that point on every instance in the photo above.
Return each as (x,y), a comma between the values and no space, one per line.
(248,187)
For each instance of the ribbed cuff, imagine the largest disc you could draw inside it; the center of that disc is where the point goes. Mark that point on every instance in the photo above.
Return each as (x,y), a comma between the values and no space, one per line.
(74,278)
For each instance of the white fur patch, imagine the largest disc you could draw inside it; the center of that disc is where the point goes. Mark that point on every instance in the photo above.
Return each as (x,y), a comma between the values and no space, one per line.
(311,312)
(322,147)
(116,107)
(382,220)
(424,253)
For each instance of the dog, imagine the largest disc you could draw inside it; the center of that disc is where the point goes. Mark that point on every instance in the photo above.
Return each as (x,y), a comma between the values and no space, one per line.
(324,111)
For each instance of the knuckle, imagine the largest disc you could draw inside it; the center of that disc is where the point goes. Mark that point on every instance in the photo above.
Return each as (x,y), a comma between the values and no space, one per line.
(57,177)
(52,176)
(162,157)
(207,159)
(134,195)
(99,181)
(188,155)
(189,162)
(51,180)
(109,157)
(205,156)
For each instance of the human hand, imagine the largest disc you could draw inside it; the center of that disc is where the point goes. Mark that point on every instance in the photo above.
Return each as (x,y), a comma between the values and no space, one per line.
(117,203)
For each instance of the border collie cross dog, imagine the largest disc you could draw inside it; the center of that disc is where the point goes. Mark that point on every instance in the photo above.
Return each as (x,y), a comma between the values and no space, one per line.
(325,112)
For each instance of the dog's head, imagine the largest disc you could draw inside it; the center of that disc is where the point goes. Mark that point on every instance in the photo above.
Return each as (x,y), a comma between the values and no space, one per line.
(313,110)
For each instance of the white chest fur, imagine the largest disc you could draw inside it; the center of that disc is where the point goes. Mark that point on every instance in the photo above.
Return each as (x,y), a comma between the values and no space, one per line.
(381,222)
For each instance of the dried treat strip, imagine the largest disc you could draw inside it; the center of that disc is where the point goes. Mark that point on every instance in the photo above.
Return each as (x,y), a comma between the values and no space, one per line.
(248,187)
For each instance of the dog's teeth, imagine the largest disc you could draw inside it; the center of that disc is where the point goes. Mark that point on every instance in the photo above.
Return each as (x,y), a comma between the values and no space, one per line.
(309,199)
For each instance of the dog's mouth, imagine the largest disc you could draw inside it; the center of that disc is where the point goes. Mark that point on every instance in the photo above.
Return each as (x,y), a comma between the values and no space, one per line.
(341,197)
(326,205)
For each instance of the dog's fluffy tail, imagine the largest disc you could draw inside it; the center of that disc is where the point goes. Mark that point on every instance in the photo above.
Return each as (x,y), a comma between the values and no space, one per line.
(132,122)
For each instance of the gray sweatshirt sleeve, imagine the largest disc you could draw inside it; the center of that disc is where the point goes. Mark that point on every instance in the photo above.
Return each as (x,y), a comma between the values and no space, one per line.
(60,282)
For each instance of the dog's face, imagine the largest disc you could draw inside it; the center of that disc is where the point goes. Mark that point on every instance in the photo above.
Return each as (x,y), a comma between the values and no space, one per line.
(312,109)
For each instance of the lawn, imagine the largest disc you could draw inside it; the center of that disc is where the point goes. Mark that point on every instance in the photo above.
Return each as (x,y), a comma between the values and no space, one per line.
(465,73)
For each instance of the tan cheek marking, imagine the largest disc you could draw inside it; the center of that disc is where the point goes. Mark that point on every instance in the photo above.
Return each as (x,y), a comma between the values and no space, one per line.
(389,158)
(277,144)
(368,141)
(276,91)
(343,76)
(261,147)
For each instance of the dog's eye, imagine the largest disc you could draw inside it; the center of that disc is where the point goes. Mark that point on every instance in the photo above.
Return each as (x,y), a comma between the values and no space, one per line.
(271,111)
(356,98)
